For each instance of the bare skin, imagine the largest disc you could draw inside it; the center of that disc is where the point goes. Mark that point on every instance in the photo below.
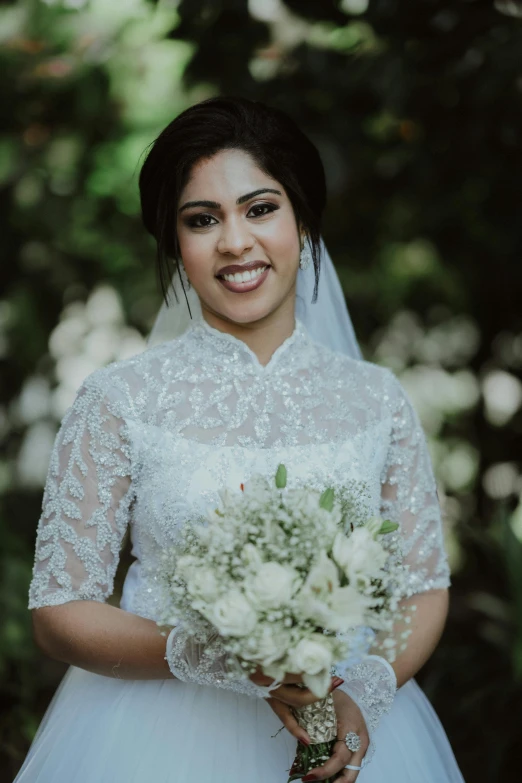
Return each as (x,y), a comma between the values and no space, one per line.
(109,641)
(240,230)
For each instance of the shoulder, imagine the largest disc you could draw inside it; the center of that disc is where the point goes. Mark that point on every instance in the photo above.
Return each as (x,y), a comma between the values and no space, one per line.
(368,380)
(128,385)
(356,372)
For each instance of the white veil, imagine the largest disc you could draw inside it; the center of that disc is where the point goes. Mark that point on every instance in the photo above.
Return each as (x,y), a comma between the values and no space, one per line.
(327,320)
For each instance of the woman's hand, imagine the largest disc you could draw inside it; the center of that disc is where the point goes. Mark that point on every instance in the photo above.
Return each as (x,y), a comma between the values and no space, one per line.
(287,692)
(349,718)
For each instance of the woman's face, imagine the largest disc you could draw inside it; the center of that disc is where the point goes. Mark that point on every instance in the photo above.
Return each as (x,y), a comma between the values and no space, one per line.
(238,238)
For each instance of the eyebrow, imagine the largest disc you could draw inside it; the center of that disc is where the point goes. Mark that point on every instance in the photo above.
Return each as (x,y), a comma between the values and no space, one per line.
(240,200)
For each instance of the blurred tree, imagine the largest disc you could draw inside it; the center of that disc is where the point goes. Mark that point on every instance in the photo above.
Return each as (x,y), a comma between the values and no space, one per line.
(416,109)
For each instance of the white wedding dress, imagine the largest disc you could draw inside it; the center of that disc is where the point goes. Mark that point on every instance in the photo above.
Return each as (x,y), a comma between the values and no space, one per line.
(148,443)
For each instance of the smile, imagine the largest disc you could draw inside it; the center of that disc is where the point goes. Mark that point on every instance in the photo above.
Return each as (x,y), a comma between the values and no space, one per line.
(241,279)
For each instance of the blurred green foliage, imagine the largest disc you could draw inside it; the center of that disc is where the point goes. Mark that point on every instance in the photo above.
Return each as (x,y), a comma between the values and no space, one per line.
(416,109)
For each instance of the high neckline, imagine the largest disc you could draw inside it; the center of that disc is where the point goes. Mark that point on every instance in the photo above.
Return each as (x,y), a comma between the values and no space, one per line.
(226,344)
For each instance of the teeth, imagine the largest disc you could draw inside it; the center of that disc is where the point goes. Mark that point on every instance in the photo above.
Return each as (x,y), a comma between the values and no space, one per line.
(245,277)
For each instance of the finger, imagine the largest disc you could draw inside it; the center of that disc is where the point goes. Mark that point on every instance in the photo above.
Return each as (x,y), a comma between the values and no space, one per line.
(289,721)
(342,777)
(297,679)
(336,763)
(292,679)
(350,775)
(299,697)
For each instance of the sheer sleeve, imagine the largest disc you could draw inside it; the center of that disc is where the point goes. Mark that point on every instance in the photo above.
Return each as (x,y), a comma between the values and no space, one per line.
(86,501)
(409,495)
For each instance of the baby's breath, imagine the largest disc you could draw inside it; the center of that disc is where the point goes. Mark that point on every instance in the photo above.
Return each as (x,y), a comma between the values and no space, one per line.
(273,568)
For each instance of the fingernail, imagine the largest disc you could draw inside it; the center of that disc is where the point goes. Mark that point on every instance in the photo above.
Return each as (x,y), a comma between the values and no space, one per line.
(308,777)
(305,741)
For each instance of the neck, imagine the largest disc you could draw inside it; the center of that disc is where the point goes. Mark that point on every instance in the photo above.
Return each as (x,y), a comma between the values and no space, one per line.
(264,336)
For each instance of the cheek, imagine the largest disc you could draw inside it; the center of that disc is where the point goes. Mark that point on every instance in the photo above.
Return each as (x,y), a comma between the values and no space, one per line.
(284,242)
(194,253)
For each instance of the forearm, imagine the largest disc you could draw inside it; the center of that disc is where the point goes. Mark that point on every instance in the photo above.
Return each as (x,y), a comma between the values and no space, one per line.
(427,625)
(102,639)
(372,682)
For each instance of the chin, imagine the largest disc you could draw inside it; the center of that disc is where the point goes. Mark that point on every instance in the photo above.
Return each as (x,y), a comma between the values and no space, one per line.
(242,308)
(245,314)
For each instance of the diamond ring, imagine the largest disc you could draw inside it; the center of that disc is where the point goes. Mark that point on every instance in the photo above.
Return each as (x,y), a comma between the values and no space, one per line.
(353,741)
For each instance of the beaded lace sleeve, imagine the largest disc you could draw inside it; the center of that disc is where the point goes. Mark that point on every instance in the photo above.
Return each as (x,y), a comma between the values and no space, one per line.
(204,661)
(86,501)
(409,496)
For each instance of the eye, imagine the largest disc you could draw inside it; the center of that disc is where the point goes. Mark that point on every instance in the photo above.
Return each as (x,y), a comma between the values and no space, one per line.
(201,221)
(259,210)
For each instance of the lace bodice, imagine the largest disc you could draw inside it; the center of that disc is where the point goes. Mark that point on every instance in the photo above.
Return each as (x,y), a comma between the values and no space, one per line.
(149,441)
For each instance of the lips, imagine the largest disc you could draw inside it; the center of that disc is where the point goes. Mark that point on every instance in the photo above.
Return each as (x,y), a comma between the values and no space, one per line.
(241,278)
(237,269)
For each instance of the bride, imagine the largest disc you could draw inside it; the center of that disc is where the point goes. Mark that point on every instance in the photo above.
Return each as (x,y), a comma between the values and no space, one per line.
(265,370)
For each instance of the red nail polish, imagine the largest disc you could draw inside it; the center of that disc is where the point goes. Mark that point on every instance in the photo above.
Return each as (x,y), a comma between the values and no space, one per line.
(308,777)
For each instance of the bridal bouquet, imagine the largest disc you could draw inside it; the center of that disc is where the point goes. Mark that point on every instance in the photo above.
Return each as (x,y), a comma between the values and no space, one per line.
(287,581)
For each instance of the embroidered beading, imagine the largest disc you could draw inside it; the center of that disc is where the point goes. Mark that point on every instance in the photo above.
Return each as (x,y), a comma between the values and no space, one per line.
(149,441)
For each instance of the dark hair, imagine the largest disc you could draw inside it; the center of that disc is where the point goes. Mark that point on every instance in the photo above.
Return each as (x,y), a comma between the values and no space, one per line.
(273,140)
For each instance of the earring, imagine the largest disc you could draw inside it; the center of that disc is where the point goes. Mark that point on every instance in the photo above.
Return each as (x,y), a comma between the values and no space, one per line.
(305,259)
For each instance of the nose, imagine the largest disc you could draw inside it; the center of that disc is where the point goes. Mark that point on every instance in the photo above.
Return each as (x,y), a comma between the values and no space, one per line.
(235,238)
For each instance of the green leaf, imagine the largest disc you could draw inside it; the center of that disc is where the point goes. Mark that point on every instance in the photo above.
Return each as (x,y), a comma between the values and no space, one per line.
(327,499)
(280,477)
(387,527)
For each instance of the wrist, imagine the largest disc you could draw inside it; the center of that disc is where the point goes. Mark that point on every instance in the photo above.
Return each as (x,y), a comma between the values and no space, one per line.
(206,662)
(371,684)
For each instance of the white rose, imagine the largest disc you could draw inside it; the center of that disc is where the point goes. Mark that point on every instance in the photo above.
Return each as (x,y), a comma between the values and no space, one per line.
(272,586)
(269,644)
(345,609)
(360,556)
(203,584)
(233,615)
(311,655)
(323,577)
(313,601)
(313,658)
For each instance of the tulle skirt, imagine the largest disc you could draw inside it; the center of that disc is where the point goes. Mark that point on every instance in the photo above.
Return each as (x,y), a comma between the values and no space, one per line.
(103,730)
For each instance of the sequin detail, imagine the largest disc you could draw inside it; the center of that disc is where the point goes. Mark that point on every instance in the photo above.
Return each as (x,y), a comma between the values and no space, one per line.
(206,662)
(372,685)
(149,441)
